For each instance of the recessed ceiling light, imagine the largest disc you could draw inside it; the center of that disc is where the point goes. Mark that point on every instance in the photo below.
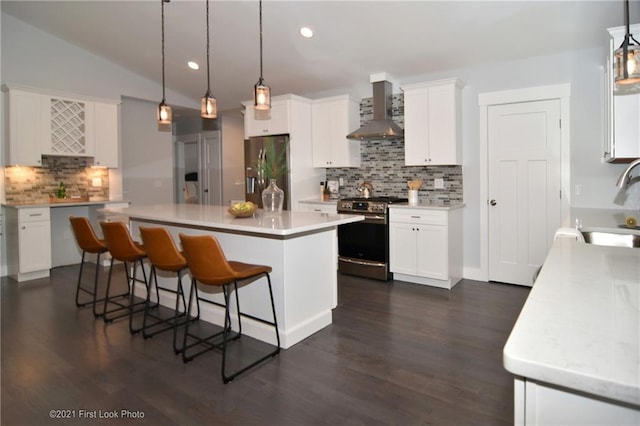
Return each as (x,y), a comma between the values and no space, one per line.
(193,65)
(306,32)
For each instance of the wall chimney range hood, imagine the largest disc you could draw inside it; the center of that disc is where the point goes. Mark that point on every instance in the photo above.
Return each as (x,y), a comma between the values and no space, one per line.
(381,127)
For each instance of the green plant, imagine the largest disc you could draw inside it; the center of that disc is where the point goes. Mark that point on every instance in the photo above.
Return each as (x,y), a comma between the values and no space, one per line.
(273,164)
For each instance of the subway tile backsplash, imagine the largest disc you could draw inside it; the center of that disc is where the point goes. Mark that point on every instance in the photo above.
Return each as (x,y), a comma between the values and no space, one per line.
(36,184)
(383,165)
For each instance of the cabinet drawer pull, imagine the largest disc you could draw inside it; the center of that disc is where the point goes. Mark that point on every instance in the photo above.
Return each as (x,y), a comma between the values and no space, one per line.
(35,214)
(416,217)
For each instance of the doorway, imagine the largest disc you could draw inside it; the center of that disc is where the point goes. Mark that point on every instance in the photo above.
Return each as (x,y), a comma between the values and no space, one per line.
(524,179)
(198,177)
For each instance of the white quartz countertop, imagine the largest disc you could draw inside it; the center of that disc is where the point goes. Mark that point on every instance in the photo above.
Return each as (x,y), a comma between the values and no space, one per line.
(70,203)
(580,326)
(217,217)
(428,206)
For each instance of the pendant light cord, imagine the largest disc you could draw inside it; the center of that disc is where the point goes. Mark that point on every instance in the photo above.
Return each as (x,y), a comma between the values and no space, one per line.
(261,40)
(208,72)
(162,3)
(625,47)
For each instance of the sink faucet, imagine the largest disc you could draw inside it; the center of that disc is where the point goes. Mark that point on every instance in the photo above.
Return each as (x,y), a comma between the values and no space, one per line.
(624,178)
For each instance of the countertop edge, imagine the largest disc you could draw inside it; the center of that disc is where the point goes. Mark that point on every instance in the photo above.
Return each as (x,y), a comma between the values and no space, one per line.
(216,217)
(69,204)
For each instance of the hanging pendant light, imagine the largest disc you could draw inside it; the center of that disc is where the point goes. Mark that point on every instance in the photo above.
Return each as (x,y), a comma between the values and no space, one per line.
(208,104)
(164,110)
(261,92)
(627,57)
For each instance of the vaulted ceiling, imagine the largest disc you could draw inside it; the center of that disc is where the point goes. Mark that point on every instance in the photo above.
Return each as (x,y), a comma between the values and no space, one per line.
(352,38)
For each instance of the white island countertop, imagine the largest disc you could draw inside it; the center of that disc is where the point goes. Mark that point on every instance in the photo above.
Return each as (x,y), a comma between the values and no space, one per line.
(580,326)
(288,223)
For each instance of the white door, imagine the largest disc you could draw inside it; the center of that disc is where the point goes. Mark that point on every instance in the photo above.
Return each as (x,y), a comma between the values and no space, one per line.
(211,168)
(524,187)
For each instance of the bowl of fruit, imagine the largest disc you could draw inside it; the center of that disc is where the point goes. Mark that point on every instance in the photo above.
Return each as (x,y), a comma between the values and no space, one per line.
(242,209)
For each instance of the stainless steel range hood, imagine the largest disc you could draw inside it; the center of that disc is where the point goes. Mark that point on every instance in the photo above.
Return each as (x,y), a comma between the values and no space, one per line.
(381,127)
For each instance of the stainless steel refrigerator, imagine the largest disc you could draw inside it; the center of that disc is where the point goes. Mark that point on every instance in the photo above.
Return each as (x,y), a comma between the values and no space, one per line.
(254,150)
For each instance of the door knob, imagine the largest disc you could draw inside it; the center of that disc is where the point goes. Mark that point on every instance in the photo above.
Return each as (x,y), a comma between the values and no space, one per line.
(493,202)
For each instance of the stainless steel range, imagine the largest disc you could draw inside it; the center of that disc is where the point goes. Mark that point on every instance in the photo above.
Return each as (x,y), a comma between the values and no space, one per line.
(363,247)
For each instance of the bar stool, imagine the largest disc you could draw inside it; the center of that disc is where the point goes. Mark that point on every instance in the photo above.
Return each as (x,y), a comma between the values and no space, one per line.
(123,248)
(164,256)
(88,243)
(209,266)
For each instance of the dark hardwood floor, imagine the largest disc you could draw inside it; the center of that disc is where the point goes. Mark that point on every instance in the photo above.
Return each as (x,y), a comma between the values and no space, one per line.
(396,354)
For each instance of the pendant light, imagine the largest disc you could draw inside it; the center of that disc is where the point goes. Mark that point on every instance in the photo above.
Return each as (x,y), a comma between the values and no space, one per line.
(261,92)
(627,56)
(164,110)
(208,104)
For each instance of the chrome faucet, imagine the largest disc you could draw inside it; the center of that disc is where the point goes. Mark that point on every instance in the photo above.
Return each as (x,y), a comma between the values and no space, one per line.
(624,178)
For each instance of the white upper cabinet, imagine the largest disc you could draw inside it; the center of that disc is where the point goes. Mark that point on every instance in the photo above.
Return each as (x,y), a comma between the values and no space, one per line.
(433,123)
(22,128)
(622,108)
(332,119)
(46,123)
(275,121)
(105,135)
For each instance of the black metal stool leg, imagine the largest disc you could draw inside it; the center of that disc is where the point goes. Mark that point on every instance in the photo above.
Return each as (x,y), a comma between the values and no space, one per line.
(132,302)
(167,322)
(227,378)
(95,287)
(78,304)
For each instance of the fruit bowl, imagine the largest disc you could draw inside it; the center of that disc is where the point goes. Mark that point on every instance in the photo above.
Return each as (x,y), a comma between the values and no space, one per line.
(243,209)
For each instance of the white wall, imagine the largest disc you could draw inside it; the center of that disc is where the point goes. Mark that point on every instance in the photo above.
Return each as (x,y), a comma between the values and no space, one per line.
(147,155)
(35,58)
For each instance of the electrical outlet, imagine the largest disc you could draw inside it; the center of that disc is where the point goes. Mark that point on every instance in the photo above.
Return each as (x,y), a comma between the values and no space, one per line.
(96,182)
(341,181)
(579,189)
(438,183)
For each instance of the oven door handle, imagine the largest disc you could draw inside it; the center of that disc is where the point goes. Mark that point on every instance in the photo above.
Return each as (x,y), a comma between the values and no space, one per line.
(375,219)
(361,262)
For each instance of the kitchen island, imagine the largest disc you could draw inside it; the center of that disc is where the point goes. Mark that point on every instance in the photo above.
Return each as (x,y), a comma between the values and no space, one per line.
(575,348)
(301,247)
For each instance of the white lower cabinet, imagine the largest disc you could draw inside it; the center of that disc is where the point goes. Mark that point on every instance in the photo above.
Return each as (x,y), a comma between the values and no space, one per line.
(425,245)
(541,404)
(29,236)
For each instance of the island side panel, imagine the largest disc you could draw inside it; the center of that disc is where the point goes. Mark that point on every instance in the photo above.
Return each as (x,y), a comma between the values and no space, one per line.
(303,280)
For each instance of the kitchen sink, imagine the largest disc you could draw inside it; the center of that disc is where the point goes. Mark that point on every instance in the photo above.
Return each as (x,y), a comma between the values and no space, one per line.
(615,239)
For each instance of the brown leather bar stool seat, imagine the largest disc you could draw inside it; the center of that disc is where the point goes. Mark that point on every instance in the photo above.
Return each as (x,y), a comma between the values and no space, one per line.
(164,256)
(210,267)
(89,242)
(123,248)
